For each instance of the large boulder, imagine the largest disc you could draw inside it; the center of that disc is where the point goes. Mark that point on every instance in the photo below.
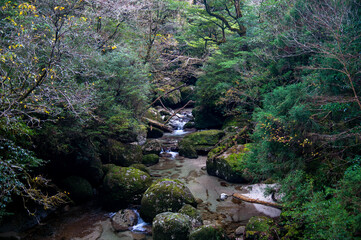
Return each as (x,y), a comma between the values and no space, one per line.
(79,189)
(152,146)
(193,214)
(124,219)
(202,142)
(165,195)
(187,94)
(186,149)
(169,225)
(208,232)
(124,185)
(207,118)
(260,228)
(150,159)
(229,164)
(172,99)
(153,132)
(121,154)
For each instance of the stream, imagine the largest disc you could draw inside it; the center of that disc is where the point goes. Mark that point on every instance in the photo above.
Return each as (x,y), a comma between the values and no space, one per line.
(88,222)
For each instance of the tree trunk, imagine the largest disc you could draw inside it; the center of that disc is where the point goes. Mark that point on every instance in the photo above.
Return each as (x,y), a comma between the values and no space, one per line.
(251,200)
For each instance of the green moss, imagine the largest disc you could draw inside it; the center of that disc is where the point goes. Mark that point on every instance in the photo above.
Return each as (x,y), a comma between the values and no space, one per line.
(141,167)
(150,159)
(165,195)
(260,228)
(124,185)
(186,149)
(209,137)
(122,154)
(168,225)
(208,232)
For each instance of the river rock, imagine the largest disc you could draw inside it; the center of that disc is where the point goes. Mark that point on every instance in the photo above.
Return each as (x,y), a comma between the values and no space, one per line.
(260,227)
(208,232)
(186,149)
(153,132)
(141,167)
(150,159)
(194,214)
(228,165)
(172,99)
(187,93)
(152,146)
(79,188)
(240,230)
(121,154)
(169,225)
(165,195)
(124,219)
(201,142)
(124,185)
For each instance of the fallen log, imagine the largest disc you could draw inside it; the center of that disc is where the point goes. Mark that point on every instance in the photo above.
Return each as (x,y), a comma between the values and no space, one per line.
(158,125)
(251,200)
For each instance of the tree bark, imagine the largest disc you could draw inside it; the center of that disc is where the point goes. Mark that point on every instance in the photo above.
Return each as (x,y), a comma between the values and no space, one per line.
(251,200)
(158,125)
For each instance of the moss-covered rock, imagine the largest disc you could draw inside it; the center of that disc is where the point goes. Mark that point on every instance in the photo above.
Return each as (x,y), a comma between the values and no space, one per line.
(150,159)
(79,188)
(152,146)
(107,167)
(124,185)
(208,232)
(153,114)
(153,132)
(121,154)
(172,99)
(194,214)
(141,167)
(202,142)
(260,228)
(189,125)
(169,225)
(206,118)
(165,195)
(186,149)
(187,93)
(228,165)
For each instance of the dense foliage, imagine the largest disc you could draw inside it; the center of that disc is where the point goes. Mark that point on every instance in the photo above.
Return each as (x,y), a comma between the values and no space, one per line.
(77,76)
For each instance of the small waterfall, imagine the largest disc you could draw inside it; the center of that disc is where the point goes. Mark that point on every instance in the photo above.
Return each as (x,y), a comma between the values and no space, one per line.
(140,226)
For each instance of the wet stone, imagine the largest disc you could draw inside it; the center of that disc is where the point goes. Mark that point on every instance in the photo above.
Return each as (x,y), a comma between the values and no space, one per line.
(124,219)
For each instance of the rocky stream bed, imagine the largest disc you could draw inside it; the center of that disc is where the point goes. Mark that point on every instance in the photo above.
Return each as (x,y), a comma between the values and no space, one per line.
(213,195)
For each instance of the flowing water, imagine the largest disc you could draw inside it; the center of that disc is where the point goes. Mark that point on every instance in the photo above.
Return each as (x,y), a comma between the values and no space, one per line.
(89,222)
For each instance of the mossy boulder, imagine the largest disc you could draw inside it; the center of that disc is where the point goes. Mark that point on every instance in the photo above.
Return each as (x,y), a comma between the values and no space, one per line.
(153,114)
(150,159)
(187,94)
(153,132)
(172,99)
(165,195)
(79,188)
(194,214)
(121,154)
(208,232)
(141,167)
(107,167)
(124,185)
(229,164)
(152,146)
(186,149)
(189,125)
(169,225)
(205,118)
(260,228)
(202,142)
